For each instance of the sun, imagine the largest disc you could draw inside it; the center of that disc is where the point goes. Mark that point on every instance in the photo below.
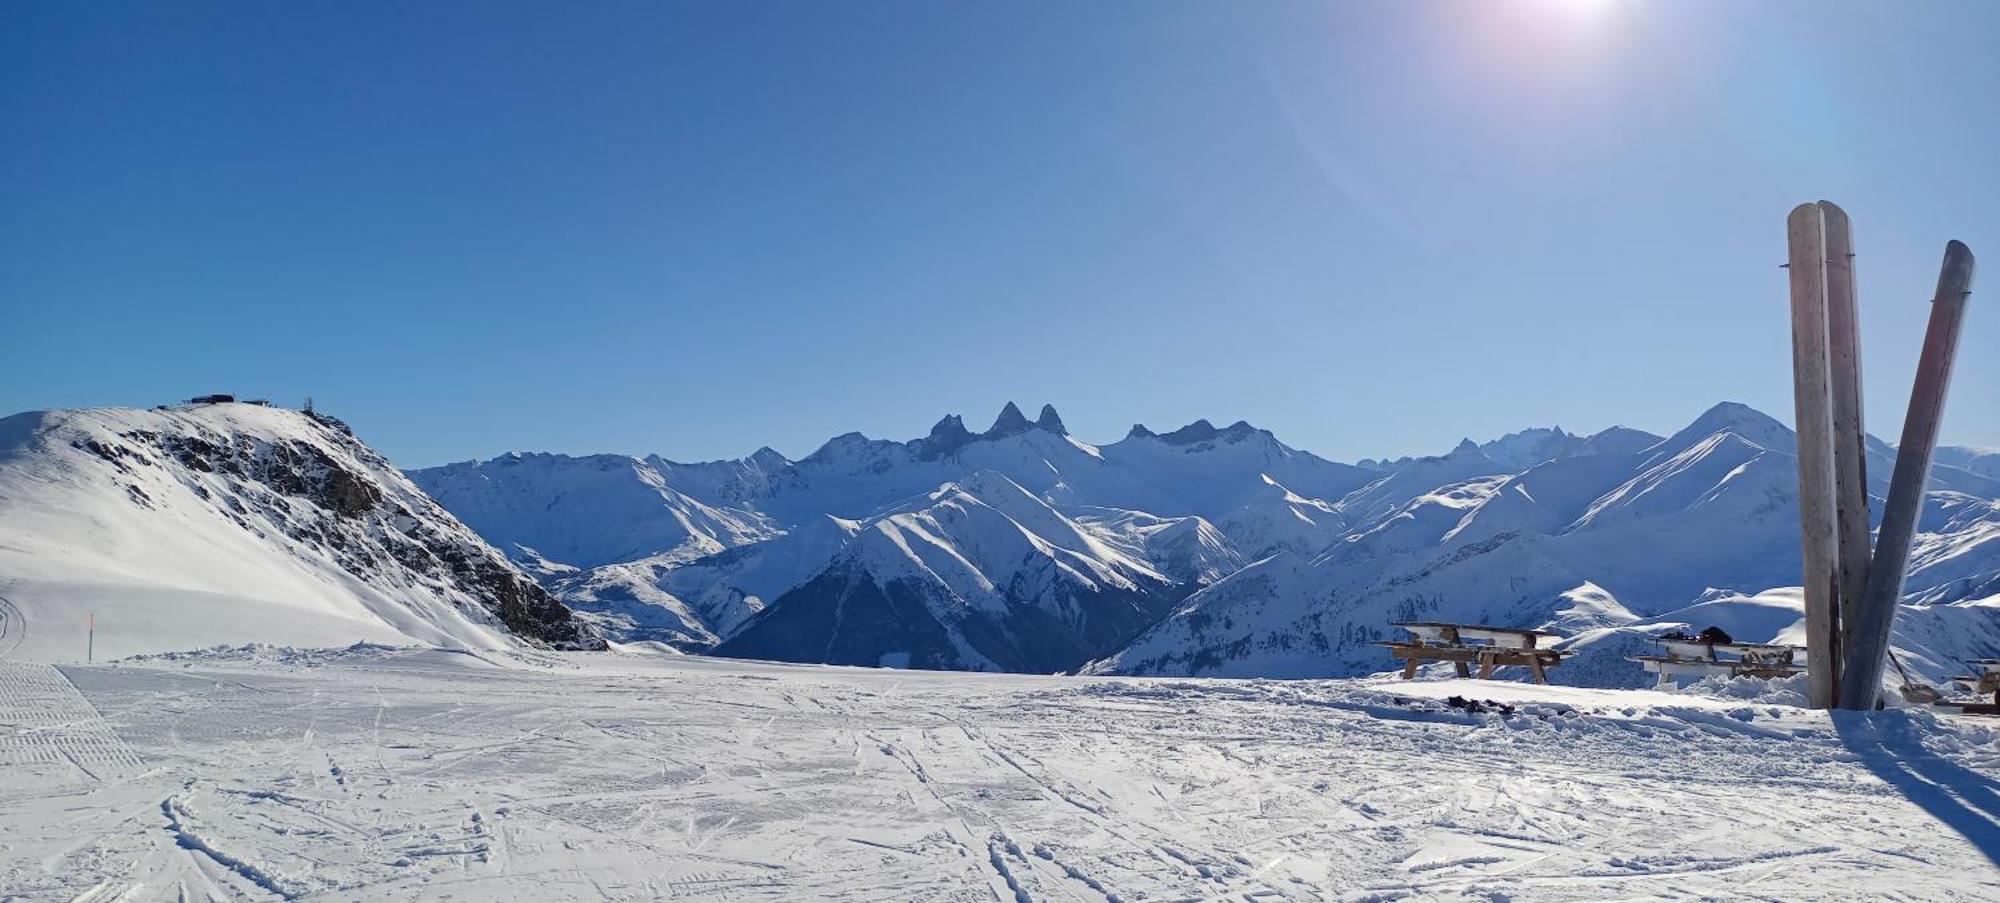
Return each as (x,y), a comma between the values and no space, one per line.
(1579,10)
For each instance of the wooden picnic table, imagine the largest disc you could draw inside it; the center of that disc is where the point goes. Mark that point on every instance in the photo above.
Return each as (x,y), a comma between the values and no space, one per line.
(1465,644)
(1694,658)
(1984,679)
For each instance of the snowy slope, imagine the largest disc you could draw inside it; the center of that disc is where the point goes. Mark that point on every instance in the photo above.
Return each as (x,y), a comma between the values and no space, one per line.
(586,512)
(1187,550)
(234,523)
(980,575)
(1277,519)
(404,774)
(1982,461)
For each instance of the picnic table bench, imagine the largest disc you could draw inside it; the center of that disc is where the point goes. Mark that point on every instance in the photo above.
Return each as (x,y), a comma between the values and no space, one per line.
(1984,679)
(1465,644)
(1694,658)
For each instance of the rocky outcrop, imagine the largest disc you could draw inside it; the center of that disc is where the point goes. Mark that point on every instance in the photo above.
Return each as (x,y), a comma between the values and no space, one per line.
(324,490)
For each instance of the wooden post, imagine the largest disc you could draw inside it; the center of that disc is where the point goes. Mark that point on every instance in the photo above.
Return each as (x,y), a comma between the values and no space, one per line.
(1812,396)
(1850,452)
(1869,635)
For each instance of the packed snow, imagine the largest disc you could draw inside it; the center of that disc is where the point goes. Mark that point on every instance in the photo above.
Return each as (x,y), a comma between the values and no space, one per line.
(390,773)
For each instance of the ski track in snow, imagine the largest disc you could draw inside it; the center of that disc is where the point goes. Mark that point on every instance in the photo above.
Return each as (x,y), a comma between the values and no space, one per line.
(416,774)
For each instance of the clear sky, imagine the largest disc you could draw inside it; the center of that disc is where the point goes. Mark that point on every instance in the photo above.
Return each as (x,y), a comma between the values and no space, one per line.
(695,229)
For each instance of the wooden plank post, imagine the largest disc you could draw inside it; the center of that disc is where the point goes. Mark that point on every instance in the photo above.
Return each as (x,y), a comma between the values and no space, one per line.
(1850,451)
(1876,616)
(1812,397)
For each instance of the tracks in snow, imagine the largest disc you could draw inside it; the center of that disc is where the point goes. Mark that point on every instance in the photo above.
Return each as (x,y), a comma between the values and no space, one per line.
(710,781)
(13,627)
(45,721)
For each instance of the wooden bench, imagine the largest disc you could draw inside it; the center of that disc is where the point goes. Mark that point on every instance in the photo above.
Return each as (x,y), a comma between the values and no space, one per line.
(1694,658)
(1466,644)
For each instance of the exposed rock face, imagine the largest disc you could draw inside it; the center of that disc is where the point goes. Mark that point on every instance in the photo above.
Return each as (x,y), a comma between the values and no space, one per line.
(306,485)
(1010,422)
(948,436)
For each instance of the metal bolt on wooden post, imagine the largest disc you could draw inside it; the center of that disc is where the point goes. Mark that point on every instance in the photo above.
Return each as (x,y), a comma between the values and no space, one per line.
(1868,635)
(1850,453)
(1812,395)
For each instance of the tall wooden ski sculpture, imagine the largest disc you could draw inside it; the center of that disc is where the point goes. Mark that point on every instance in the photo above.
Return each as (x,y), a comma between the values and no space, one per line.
(1850,450)
(1869,626)
(1812,383)
(1851,591)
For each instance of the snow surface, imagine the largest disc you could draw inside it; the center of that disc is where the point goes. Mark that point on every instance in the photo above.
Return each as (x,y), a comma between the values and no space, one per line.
(394,773)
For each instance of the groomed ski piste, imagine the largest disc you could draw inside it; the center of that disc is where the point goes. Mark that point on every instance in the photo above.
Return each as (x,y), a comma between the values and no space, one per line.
(381,772)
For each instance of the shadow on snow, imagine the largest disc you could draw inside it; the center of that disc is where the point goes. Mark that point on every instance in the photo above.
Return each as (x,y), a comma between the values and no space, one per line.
(1888,744)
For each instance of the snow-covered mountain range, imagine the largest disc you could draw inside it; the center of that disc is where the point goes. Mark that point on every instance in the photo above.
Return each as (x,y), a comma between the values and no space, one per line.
(1204,550)
(1200,551)
(1016,548)
(235,523)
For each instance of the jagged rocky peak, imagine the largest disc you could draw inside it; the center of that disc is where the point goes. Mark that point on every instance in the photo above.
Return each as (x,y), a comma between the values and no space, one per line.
(1010,422)
(950,428)
(949,435)
(769,458)
(1201,431)
(1139,431)
(1198,431)
(1466,446)
(1523,449)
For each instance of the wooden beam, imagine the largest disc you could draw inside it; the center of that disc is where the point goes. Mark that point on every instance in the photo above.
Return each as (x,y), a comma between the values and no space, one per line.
(1869,635)
(1850,453)
(1812,397)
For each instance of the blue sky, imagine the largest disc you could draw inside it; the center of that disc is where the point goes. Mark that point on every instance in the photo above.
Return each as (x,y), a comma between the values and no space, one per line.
(695,229)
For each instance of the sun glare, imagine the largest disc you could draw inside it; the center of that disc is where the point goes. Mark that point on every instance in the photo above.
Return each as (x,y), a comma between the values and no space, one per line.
(1579,10)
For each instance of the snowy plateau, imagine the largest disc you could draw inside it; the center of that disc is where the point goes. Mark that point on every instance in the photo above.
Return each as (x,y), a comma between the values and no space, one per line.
(242,656)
